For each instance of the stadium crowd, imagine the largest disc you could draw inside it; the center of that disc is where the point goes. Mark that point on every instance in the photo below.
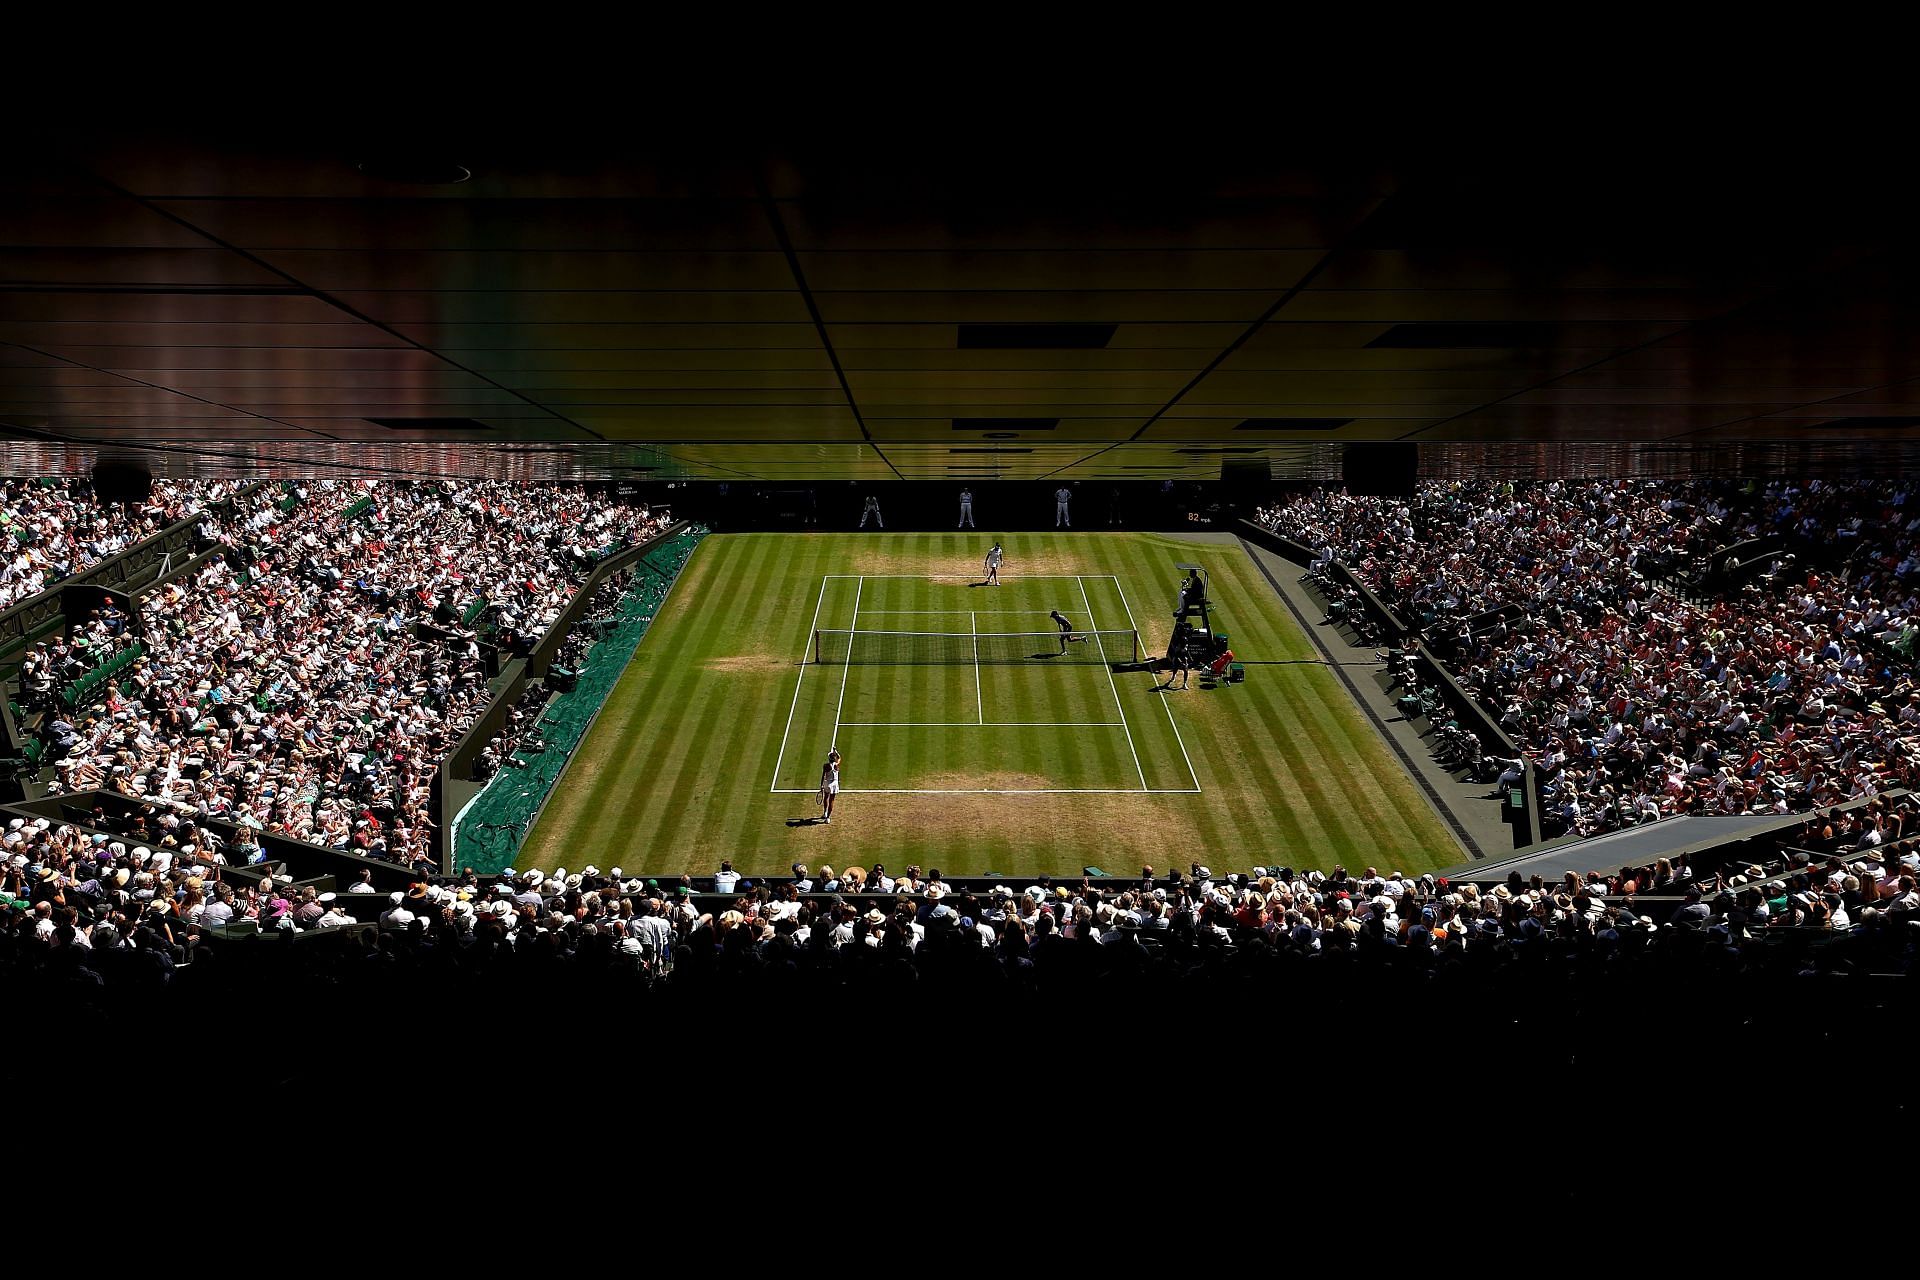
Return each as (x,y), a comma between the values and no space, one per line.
(52,529)
(86,909)
(308,679)
(85,914)
(1635,697)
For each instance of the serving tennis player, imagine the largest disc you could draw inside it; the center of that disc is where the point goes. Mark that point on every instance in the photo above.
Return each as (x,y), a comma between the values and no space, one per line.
(829,784)
(994,556)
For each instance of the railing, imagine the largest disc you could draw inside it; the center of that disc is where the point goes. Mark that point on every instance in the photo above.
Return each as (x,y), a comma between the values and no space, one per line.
(302,860)
(31,619)
(1463,705)
(1387,619)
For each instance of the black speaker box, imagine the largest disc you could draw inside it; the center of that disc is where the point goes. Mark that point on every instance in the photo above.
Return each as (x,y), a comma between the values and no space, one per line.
(1385,469)
(1247,471)
(115,480)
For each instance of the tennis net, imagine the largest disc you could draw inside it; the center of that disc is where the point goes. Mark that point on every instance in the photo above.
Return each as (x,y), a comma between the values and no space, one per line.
(956,648)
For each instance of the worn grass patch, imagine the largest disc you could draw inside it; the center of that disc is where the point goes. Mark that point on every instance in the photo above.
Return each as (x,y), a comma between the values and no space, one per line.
(985,781)
(761,662)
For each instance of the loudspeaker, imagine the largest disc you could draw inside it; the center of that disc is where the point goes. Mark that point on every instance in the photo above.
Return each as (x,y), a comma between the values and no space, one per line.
(1385,469)
(121,480)
(1245,471)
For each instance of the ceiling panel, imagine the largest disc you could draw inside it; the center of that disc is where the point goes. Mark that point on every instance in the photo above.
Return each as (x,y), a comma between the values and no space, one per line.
(941,428)
(340,270)
(1066,270)
(701,231)
(544,363)
(58,334)
(952,222)
(722,310)
(1126,307)
(154,268)
(410,309)
(945,335)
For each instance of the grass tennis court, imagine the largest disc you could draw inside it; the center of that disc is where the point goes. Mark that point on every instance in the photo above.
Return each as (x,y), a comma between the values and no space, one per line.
(970,741)
(940,684)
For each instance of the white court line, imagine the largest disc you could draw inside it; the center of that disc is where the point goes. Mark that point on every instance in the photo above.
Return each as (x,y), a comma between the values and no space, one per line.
(1091,626)
(970,577)
(804,664)
(1163,701)
(987,791)
(979,694)
(848,669)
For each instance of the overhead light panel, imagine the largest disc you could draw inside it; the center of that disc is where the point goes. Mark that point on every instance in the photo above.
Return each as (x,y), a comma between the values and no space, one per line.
(1035,337)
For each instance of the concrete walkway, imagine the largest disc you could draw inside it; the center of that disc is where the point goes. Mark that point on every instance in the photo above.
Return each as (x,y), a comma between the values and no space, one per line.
(1474,820)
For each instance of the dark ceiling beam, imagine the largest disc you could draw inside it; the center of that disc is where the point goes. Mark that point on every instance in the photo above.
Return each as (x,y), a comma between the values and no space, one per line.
(779,225)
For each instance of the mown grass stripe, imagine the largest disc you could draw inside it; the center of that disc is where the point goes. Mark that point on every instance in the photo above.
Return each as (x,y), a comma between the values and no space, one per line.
(1288,769)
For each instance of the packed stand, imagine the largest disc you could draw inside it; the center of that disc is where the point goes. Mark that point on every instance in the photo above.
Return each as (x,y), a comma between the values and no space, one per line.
(53,529)
(89,909)
(308,680)
(1633,700)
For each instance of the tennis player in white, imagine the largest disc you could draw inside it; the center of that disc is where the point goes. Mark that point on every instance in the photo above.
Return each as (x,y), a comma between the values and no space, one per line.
(994,557)
(829,784)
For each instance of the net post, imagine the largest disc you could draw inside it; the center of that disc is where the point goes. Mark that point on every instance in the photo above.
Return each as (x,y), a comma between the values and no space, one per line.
(816,646)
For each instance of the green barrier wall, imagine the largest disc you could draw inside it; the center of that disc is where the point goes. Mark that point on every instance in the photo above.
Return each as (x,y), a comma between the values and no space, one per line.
(488,834)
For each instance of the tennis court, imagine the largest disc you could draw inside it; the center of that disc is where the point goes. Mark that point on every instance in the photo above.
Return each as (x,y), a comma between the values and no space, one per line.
(711,744)
(931,684)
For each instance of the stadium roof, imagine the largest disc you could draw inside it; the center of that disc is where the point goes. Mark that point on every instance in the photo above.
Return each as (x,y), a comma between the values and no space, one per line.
(941,309)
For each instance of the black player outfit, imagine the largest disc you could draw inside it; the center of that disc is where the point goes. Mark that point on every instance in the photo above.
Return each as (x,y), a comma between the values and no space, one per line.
(1066,628)
(1179,655)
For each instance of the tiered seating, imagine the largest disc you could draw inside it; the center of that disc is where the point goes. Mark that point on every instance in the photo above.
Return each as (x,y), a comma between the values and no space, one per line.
(89,688)
(1788,687)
